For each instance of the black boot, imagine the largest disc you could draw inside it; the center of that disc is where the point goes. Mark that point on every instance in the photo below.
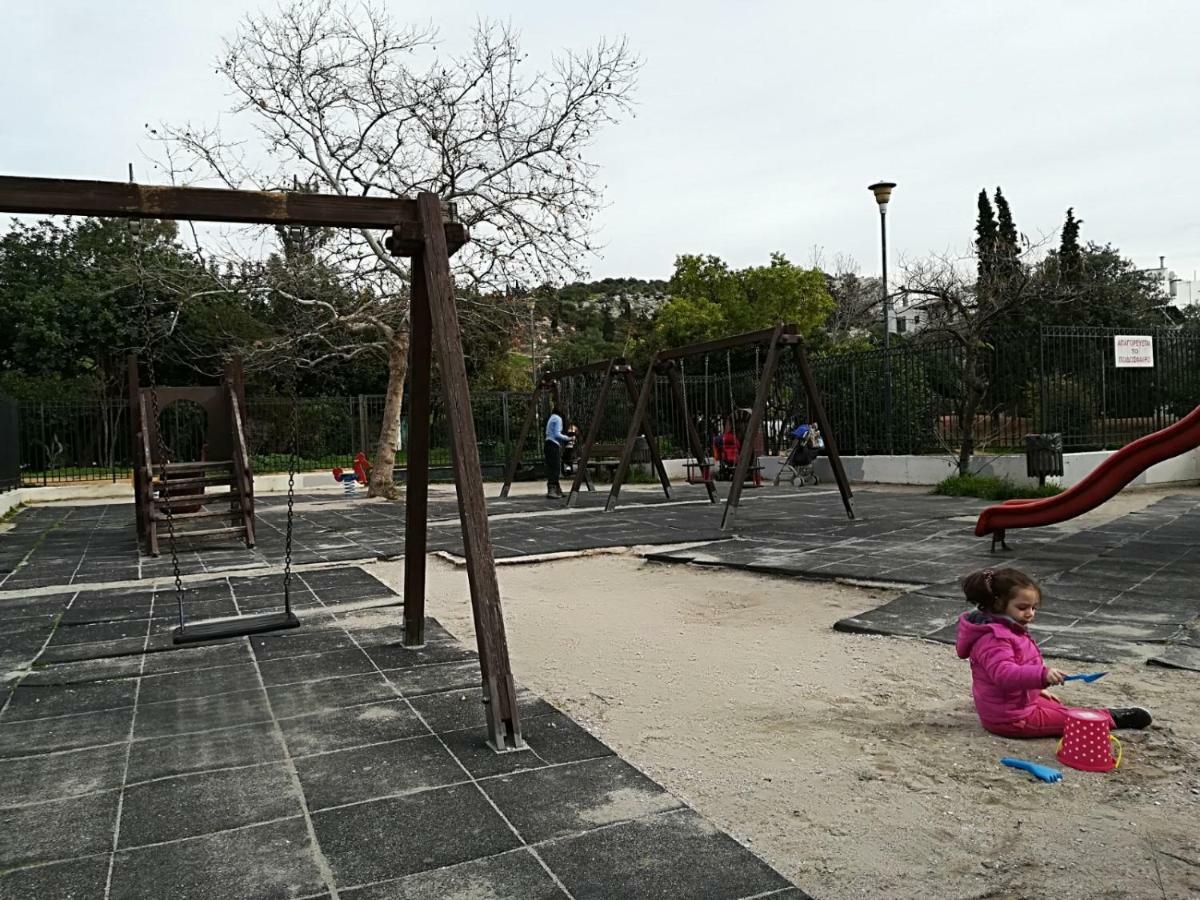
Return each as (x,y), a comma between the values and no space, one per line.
(1131,717)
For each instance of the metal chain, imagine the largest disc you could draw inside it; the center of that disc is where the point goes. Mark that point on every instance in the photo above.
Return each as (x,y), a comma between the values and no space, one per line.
(135,231)
(293,462)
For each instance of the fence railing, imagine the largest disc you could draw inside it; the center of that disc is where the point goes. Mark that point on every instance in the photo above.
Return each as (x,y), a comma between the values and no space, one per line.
(10,445)
(1056,379)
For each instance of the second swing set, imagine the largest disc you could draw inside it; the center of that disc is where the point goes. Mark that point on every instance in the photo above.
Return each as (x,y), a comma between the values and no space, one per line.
(668,363)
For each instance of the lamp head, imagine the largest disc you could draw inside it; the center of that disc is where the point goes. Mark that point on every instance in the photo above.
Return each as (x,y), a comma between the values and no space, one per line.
(883,192)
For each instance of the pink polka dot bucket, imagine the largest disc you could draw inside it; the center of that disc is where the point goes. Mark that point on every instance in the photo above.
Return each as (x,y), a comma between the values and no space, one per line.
(1086,742)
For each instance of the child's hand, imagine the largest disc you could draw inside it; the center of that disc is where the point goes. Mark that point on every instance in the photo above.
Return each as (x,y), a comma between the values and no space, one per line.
(1054,676)
(1049,696)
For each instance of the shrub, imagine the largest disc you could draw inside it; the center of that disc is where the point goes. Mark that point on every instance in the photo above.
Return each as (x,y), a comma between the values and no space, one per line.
(989,487)
(1062,404)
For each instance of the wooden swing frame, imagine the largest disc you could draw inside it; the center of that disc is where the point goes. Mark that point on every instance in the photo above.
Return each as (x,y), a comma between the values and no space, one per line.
(423,229)
(667,361)
(610,370)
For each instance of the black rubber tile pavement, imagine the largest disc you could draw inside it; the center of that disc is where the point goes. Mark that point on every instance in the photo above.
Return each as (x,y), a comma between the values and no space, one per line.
(563,800)
(64,732)
(379,770)
(76,878)
(38,701)
(509,876)
(60,775)
(458,825)
(352,726)
(60,829)
(309,697)
(245,745)
(190,805)
(677,854)
(271,860)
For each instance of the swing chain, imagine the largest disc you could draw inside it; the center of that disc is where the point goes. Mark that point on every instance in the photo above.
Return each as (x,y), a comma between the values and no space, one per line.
(293,462)
(164,484)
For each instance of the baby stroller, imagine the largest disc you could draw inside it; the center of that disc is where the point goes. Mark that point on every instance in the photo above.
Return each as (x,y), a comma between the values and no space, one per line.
(806,447)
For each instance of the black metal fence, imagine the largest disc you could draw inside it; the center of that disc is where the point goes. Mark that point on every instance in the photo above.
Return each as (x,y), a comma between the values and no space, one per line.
(10,445)
(1053,380)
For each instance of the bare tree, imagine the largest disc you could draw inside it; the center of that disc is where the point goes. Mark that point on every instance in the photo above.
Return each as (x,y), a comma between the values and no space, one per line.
(967,309)
(343,99)
(857,299)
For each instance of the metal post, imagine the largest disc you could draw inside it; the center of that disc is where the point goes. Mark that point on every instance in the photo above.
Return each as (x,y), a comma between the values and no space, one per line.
(887,334)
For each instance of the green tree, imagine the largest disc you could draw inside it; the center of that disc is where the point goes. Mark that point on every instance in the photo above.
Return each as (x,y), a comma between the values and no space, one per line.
(1070,257)
(73,294)
(986,236)
(708,299)
(1008,240)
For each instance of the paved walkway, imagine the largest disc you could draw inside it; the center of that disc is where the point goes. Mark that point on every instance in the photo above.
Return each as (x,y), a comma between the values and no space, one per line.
(325,761)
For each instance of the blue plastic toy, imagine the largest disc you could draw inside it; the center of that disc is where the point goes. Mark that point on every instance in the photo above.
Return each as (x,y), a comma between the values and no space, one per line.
(1087,678)
(1042,773)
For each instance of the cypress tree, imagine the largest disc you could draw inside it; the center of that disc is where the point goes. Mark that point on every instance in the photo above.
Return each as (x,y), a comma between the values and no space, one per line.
(1070,258)
(1008,245)
(985,236)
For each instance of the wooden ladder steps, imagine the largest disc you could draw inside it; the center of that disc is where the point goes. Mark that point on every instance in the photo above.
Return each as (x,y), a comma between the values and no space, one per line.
(202,499)
(196,466)
(215,478)
(205,532)
(160,516)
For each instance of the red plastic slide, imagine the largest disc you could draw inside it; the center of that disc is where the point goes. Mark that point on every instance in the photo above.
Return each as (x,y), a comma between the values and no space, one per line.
(1100,484)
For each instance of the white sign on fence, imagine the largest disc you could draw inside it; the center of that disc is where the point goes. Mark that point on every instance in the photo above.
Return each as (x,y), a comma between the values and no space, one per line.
(1134,351)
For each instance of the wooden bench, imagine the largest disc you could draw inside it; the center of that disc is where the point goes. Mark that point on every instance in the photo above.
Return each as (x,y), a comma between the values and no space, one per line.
(605,458)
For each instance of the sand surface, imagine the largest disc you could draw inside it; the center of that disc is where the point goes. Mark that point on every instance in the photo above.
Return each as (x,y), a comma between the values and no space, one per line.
(852,763)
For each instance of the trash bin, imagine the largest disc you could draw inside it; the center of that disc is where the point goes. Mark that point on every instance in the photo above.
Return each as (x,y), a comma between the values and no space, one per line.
(641,454)
(1043,456)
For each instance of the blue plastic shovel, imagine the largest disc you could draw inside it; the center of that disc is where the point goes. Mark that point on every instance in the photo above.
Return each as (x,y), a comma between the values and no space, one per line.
(1088,677)
(1042,773)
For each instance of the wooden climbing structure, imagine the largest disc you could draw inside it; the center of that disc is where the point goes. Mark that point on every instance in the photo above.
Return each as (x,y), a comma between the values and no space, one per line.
(184,489)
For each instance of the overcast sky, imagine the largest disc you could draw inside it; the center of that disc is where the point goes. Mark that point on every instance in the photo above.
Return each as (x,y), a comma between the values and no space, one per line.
(759,125)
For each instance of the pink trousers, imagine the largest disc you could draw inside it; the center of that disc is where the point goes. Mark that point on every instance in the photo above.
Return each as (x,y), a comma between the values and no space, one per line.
(1047,720)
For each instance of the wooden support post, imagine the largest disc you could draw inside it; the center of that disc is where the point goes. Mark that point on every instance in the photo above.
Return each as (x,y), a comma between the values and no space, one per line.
(756,416)
(416,486)
(585,452)
(818,408)
(651,438)
(694,441)
(518,450)
(639,412)
(499,690)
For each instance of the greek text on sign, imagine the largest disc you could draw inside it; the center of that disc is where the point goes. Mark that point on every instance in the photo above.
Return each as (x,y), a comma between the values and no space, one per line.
(1134,351)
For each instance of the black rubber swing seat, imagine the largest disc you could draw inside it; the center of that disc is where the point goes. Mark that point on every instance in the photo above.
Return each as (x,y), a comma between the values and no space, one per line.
(234,627)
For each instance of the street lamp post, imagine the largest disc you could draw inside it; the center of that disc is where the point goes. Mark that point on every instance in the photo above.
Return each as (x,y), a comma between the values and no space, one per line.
(883,192)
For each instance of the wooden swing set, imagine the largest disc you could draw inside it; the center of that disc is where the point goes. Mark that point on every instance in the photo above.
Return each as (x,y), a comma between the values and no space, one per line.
(423,229)
(611,371)
(668,362)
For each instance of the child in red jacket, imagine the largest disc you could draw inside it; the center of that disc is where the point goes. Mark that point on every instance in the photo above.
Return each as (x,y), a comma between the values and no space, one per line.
(1007,671)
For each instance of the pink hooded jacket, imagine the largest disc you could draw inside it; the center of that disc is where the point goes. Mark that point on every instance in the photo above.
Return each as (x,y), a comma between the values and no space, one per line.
(1007,672)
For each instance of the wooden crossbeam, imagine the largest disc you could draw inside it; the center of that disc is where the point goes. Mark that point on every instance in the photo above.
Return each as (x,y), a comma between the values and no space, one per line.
(74,197)
(738,340)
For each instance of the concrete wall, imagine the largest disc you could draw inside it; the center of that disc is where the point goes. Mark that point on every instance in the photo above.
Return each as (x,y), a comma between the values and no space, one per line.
(929,470)
(918,470)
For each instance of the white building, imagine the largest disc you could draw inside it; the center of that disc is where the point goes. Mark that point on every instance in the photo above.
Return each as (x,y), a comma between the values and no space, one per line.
(907,315)
(1179,291)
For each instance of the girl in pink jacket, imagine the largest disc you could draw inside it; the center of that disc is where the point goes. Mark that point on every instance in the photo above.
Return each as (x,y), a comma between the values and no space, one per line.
(1007,671)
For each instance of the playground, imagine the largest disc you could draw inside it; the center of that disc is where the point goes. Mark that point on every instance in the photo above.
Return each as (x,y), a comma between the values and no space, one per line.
(725,686)
(677,684)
